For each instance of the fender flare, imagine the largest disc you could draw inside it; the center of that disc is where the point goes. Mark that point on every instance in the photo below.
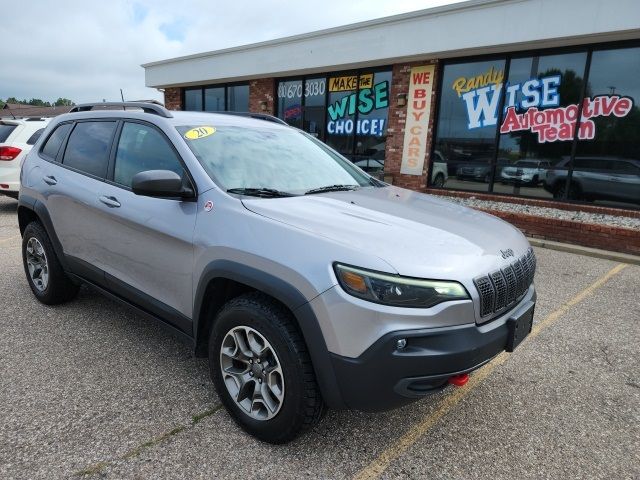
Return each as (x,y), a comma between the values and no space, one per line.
(30,203)
(294,300)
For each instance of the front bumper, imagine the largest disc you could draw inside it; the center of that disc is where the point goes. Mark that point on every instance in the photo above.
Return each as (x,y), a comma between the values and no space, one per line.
(385,377)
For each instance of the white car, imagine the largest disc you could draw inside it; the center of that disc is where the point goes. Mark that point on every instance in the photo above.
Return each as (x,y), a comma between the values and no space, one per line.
(439,170)
(17,136)
(531,172)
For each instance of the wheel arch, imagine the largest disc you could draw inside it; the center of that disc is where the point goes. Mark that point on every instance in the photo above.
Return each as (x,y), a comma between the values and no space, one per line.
(29,210)
(224,279)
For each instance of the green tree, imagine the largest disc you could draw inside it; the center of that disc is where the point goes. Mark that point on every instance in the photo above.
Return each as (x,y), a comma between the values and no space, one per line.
(64,102)
(36,102)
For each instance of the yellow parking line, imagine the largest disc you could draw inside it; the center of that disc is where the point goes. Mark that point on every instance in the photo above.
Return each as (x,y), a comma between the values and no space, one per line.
(7,240)
(378,466)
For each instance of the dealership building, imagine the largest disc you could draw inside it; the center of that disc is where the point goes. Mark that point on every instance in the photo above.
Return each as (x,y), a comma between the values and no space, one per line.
(523,101)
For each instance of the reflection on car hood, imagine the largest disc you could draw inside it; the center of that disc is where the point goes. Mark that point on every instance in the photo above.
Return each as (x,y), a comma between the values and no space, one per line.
(418,235)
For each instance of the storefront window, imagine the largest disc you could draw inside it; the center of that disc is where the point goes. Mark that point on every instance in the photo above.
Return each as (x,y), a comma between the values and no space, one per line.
(606,169)
(348,111)
(315,90)
(538,126)
(341,112)
(468,118)
(371,129)
(214,99)
(541,99)
(219,98)
(290,102)
(193,99)
(238,98)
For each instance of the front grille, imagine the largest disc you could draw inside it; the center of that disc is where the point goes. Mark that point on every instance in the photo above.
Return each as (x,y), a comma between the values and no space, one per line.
(501,289)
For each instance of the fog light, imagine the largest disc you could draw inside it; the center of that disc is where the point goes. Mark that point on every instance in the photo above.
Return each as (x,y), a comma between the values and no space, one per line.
(400,344)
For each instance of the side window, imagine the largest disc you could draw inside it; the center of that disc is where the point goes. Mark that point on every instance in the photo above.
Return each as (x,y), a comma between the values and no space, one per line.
(143,148)
(52,145)
(88,147)
(34,138)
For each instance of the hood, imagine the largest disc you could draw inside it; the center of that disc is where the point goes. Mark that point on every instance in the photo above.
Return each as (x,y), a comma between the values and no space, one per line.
(418,235)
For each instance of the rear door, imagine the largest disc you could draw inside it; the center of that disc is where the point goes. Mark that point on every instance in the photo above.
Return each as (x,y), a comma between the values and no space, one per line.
(72,199)
(145,245)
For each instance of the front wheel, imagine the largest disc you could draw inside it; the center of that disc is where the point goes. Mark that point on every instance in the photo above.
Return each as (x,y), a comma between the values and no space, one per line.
(261,369)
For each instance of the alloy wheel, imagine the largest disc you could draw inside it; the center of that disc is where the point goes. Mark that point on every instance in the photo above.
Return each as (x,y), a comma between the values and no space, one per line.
(252,372)
(37,264)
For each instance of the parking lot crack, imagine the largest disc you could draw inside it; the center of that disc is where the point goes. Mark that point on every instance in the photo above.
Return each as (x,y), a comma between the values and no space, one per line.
(98,468)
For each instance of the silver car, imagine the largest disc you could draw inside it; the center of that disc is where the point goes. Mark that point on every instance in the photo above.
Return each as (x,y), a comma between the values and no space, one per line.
(307,283)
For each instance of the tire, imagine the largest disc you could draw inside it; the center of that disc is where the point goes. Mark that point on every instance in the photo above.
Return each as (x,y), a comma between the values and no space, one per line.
(58,287)
(438,182)
(573,193)
(259,317)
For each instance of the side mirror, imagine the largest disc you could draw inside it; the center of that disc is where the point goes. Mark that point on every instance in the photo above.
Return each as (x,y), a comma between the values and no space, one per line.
(160,183)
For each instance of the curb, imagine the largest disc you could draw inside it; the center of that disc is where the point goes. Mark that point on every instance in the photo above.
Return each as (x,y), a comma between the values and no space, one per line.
(586,251)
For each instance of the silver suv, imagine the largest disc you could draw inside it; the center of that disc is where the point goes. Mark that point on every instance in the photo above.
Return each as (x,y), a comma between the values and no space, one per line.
(306,282)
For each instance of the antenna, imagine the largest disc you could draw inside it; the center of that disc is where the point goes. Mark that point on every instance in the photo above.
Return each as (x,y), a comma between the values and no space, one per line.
(121,95)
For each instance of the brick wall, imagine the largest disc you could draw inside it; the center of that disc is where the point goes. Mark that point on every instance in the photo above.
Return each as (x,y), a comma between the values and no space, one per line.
(262,90)
(617,239)
(173,98)
(395,129)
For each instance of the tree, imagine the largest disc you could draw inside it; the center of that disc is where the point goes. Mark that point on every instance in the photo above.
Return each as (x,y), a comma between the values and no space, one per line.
(64,102)
(36,102)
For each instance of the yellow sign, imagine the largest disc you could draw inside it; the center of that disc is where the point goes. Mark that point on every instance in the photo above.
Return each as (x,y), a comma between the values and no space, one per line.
(199,132)
(345,84)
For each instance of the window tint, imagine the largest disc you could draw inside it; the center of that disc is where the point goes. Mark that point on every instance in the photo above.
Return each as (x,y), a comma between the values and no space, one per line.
(193,99)
(143,148)
(34,138)
(88,147)
(214,99)
(52,145)
(238,98)
(5,131)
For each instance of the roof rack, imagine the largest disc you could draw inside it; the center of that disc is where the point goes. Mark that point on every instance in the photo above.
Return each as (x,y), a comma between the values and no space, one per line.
(146,107)
(259,116)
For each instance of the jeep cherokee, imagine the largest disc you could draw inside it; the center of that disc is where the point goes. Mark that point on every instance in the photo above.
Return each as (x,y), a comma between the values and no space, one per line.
(307,283)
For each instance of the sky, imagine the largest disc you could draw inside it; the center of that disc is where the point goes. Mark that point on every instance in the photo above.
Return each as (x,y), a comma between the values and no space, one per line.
(88,50)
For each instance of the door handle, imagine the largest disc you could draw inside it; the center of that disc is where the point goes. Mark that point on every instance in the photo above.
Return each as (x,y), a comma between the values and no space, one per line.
(49,179)
(111,202)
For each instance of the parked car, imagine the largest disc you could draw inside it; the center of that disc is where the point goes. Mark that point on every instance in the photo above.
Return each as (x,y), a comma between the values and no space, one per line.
(479,170)
(596,178)
(17,136)
(439,170)
(307,282)
(529,172)
(375,168)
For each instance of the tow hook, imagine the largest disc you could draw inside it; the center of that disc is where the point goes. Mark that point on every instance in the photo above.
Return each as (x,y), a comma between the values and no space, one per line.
(459,380)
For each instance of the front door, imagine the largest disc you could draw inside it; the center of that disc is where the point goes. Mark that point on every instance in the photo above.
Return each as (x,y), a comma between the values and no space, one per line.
(146,250)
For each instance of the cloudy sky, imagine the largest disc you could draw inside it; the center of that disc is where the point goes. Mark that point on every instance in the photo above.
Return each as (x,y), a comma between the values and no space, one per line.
(88,50)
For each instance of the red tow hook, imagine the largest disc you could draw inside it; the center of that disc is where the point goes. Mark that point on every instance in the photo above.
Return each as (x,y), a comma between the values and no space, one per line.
(459,380)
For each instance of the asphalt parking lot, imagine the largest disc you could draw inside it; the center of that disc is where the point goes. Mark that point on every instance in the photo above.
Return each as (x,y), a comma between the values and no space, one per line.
(89,389)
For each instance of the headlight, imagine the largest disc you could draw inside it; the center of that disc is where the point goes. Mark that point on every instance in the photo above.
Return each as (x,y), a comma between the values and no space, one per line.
(396,290)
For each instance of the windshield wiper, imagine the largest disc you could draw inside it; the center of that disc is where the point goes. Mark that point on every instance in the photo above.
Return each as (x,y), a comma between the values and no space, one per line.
(332,188)
(260,192)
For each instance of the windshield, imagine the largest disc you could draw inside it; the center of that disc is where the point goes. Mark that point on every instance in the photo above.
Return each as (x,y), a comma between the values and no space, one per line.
(282,160)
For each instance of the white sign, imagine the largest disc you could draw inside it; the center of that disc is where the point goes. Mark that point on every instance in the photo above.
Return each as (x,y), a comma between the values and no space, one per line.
(416,133)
